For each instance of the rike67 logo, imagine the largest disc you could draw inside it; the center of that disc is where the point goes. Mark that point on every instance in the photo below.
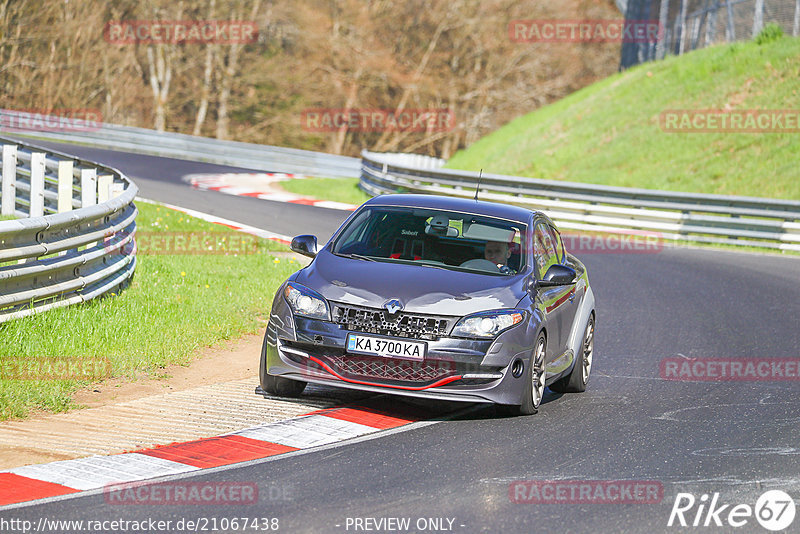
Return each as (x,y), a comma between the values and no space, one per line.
(774,510)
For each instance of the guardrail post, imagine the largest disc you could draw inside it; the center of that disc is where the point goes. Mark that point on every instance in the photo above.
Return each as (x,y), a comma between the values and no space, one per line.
(37,184)
(9,180)
(104,184)
(116,189)
(65,178)
(88,187)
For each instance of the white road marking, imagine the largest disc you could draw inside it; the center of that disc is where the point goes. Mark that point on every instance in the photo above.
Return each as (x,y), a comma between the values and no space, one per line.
(308,431)
(98,471)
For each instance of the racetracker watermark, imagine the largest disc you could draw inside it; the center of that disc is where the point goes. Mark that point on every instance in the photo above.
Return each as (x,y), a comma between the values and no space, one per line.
(730,121)
(585,31)
(586,492)
(730,369)
(55,368)
(184,244)
(632,243)
(51,120)
(182,493)
(378,120)
(224,32)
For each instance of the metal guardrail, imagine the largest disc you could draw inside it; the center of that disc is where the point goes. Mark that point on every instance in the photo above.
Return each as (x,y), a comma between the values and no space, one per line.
(186,147)
(68,241)
(671,216)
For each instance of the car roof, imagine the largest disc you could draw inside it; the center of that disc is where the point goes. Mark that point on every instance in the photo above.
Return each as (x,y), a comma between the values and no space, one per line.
(480,207)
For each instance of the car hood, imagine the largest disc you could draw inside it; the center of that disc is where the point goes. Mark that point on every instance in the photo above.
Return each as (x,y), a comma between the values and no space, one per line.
(420,289)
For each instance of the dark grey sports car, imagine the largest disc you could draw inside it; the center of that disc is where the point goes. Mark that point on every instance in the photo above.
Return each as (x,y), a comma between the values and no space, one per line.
(435,297)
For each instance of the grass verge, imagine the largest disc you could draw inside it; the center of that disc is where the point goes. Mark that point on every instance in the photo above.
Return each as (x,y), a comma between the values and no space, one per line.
(609,133)
(175,305)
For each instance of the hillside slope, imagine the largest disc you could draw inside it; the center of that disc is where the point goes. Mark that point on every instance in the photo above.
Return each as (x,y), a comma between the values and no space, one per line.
(610,133)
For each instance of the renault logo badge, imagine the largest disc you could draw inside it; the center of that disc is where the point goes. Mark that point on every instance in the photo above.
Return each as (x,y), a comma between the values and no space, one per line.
(393,306)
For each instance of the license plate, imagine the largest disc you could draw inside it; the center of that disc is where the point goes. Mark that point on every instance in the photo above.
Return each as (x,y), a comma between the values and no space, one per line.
(386,347)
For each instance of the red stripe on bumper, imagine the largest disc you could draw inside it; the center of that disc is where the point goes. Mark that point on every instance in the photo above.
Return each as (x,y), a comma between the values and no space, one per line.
(212,452)
(438,383)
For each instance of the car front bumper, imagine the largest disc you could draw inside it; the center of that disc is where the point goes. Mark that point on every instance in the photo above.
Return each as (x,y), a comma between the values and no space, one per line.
(454,369)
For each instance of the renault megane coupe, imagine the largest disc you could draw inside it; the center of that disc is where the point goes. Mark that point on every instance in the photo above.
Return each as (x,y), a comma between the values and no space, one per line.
(435,297)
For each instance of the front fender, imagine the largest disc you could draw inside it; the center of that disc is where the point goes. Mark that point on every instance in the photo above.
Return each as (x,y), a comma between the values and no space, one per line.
(586,307)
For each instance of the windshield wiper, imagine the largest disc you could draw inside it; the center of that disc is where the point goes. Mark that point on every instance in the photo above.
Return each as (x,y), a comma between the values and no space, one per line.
(357,257)
(431,266)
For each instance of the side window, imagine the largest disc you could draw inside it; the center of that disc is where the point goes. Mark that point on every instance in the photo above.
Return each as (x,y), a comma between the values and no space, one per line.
(544,248)
(560,252)
(355,233)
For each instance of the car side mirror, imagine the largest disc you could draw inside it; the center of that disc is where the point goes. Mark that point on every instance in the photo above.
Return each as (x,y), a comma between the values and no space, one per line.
(305,245)
(558,275)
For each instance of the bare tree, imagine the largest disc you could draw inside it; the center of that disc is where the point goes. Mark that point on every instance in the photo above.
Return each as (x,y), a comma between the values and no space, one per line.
(208,70)
(228,76)
(159,61)
(378,54)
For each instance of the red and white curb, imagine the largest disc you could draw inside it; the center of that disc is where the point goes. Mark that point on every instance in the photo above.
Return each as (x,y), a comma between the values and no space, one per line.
(266,234)
(258,185)
(324,427)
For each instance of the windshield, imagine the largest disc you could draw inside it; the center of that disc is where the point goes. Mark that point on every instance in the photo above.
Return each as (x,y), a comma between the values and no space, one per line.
(435,238)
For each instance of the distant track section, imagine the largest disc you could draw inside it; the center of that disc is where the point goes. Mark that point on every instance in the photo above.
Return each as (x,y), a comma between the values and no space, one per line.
(187,147)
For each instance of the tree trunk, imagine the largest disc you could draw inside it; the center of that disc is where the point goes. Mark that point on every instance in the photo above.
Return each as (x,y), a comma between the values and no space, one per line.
(160,68)
(229,74)
(205,93)
(352,96)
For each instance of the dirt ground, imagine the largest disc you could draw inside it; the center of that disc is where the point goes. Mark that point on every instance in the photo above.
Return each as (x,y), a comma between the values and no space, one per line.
(229,361)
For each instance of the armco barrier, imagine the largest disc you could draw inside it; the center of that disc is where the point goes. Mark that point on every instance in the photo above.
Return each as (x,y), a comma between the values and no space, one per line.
(66,223)
(182,146)
(674,216)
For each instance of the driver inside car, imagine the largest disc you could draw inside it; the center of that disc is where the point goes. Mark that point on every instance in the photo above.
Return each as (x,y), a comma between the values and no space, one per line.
(497,252)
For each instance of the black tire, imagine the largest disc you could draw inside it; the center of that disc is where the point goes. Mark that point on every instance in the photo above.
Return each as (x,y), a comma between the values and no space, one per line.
(275,385)
(283,387)
(536,373)
(576,380)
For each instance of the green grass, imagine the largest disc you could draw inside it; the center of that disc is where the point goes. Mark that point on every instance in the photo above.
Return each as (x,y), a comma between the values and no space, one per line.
(175,305)
(337,189)
(609,132)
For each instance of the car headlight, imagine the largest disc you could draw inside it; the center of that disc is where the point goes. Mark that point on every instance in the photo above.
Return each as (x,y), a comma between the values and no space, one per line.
(487,324)
(306,302)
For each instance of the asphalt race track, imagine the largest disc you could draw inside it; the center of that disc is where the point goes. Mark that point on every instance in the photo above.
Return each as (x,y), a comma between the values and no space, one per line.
(735,438)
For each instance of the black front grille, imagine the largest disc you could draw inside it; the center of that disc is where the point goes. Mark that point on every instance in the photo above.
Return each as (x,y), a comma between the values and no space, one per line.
(400,324)
(378,368)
